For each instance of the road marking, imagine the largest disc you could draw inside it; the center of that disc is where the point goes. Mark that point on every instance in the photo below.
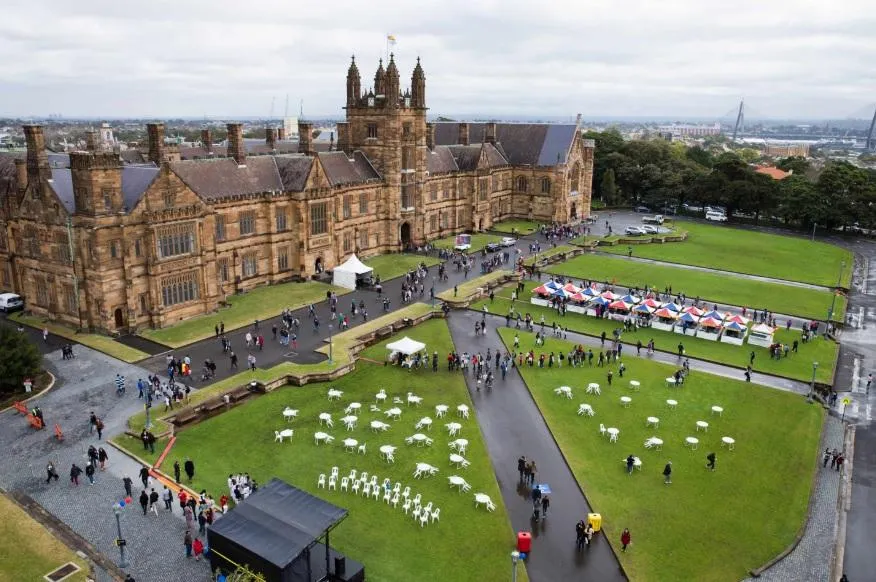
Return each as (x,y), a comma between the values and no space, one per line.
(290,354)
(857,388)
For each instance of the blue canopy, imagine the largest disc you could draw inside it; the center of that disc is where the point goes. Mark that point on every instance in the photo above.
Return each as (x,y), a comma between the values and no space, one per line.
(601,301)
(642,309)
(735,326)
(714,315)
(688,318)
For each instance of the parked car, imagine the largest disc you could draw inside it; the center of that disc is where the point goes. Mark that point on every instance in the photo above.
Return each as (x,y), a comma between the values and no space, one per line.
(650,229)
(634,230)
(643,209)
(692,207)
(656,219)
(716,216)
(508,241)
(10,302)
(492,247)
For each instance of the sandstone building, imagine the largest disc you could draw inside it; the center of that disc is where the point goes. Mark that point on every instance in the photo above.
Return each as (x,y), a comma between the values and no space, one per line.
(102,241)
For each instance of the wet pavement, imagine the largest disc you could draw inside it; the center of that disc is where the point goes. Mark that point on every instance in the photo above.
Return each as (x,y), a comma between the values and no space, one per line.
(512,425)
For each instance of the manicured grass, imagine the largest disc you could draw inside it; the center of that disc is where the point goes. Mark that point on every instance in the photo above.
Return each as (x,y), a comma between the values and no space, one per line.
(101,343)
(396,265)
(706,526)
(260,303)
(471,287)
(547,253)
(796,366)
(711,287)
(758,253)
(523,227)
(388,542)
(29,550)
(478,241)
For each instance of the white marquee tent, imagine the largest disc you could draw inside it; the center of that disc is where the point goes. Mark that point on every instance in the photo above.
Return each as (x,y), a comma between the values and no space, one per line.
(406,346)
(346,275)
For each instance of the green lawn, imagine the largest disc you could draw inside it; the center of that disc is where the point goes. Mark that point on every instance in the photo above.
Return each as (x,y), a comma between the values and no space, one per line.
(726,289)
(471,286)
(705,526)
(29,550)
(547,253)
(478,241)
(99,342)
(523,227)
(743,251)
(388,542)
(260,303)
(396,265)
(796,366)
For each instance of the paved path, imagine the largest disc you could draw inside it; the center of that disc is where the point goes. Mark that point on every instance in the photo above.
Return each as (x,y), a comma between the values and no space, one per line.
(84,384)
(512,426)
(811,559)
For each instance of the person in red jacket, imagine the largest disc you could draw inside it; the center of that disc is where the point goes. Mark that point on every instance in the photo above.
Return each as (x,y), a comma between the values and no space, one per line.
(198,547)
(625,539)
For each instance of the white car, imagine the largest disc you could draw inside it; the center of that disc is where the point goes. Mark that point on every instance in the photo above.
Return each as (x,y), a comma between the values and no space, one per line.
(716,216)
(650,229)
(508,241)
(462,248)
(634,230)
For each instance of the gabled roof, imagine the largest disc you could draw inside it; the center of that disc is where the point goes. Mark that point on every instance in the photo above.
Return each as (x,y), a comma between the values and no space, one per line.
(219,178)
(494,157)
(466,156)
(341,170)
(294,171)
(135,181)
(440,161)
(534,144)
(253,147)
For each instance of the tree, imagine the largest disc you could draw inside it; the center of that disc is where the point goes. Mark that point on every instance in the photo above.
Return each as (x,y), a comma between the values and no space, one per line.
(795,164)
(608,187)
(21,359)
(700,156)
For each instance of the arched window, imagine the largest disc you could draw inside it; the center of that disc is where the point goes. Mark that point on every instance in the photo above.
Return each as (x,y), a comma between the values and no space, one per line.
(576,173)
(545,185)
(522,184)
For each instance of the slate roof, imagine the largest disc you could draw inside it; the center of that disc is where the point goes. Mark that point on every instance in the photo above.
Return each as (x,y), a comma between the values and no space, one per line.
(533,144)
(466,156)
(135,181)
(440,161)
(341,170)
(220,178)
(294,171)
(254,147)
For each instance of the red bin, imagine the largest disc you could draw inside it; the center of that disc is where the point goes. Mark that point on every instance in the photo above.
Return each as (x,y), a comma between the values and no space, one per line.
(524,541)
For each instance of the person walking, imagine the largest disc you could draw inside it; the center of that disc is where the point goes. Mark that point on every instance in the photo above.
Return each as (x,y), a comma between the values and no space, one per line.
(521,466)
(176,470)
(711,461)
(187,542)
(189,466)
(75,471)
(167,497)
(89,472)
(533,471)
(579,534)
(98,426)
(631,461)
(545,504)
(667,473)
(625,539)
(51,473)
(189,514)
(144,476)
(153,501)
(92,420)
(198,548)
(144,501)
(202,522)
(102,458)
(527,471)
(128,483)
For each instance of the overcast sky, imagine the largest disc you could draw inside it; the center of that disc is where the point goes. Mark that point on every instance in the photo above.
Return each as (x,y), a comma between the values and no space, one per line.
(163,58)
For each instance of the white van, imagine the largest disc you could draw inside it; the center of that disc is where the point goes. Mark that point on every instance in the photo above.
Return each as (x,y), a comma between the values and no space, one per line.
(716,216)
(10,302)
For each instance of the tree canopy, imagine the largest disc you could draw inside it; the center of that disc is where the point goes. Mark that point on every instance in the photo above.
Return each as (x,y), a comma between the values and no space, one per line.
(21,359)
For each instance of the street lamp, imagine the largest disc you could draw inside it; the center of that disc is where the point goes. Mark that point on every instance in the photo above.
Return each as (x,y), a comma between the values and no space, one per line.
(330,343)
(515,556)
(839,282)
(814,224)
(120,541)
(812,384)
(148,406)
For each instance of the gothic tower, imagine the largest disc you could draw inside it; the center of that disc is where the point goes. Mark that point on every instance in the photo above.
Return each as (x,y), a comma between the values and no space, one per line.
(354,84)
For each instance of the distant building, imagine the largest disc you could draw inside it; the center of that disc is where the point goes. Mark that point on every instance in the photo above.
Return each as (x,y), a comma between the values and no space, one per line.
(290,127)
(786,149)
(106,135)
(691,130)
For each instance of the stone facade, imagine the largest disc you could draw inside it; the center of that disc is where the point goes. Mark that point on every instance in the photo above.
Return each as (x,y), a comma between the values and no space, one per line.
(103,244)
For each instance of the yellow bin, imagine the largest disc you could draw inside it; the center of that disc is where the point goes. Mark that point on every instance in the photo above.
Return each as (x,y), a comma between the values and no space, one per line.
(595,521)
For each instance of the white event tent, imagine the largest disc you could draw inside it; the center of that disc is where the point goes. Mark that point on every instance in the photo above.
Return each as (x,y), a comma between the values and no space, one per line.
(406,346)
(346,275)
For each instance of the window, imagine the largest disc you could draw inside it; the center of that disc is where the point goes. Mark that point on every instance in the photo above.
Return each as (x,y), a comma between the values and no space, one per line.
(63,248)
(42,293)
(576,174)
(407,158)
(460,220)
(443,220)
(372,131)
(363,203)
(433,192)
(446,192)
(406,129)
(137,250)
(70,299)
(114,249)
(319,218)
(178,239)
(433,222)
(407,196)
(348,205)
(545,185)
(247,222)
(483,186)
(179,289)
(222,268)
(283,259)
(107,199)
(144,303)
(521,184)
(220,227)
(250,265)
(348,242)
(169,199)
(363,239)
(281,219)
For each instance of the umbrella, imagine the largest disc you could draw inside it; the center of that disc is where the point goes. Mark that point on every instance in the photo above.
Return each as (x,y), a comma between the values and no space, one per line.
(545,488)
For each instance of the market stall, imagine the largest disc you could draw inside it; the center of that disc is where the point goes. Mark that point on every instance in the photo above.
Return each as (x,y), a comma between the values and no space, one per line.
(761,335)
(664,319)
(733,332)
(709,328)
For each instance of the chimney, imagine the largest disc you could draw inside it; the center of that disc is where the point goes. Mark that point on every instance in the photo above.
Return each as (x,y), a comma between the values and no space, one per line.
(305,137)
(37,158)
(155,132)
(21,174)
(430,136)
(578,120)
(236,147)
(92,141)
(207,140)
(344,137)
(281,133)
(271,138)
(490,132)
(463,134)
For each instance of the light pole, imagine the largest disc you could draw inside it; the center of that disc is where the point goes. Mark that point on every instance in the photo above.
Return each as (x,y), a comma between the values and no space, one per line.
(515,556)
(120,541)
(148,424)
(812,384)
(839,282)
(330,343)
(814,224)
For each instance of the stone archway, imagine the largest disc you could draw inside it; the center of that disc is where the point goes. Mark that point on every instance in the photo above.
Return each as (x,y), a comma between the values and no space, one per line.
(405,235)
(317,265)
(573,212)
(119,317)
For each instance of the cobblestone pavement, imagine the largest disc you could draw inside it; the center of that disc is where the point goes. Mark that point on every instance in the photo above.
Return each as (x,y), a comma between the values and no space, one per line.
(155,548)
(811,559)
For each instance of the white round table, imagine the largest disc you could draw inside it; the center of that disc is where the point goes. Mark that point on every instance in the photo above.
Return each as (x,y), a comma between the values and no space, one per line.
(456,481)
(325,417)
(462,410)
(593,388)
(625,401)
(354,407)
(672,403)
(652,421)
(670,381)
(419,438)
(459,445)
(440,410)
(457,460)
(380,396)
(692,442)
(717,410)
(658,443)
(702,424)
(387,449)
(730,442)
(393,413)
(287,433)
(453,427)
(612,433)
(350,444)
(482,499)
(635,385)
(321,436)
(290,413)
(425,422)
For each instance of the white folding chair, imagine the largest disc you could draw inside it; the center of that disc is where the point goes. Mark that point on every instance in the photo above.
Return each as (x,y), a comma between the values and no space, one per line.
(387,496)
(362,449)
(345,484)
(356,486)
(601,429)
(333,483)
(436,514)
(321,481)
(424,518)
(278,437)
(375,492)
(366,489)
(395,499)
(406,493)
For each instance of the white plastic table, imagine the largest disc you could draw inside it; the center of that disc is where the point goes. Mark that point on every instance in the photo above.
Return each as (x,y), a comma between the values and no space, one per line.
(692,442)
(728,441)
(394,413)
(652,421)
(326,418)
(458,460)
(335,394)
(585,409)
(563,391)
(424,422)
(319,437)
(672,403)
(380,396)
(453,428)
(350,444)
(378,425)
(441,410)
(637,462)
(387,450)
(670,381)
(290,413)
(717,410)
(286,434)
(419,438)
(462,410)
(702,424)
(593,388)
(482,499)
(457,481)
(353,407)
(612,434)
(635,385)
(625,401)
(657,443)
(350,421)
(459,445)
